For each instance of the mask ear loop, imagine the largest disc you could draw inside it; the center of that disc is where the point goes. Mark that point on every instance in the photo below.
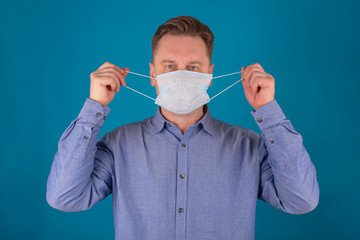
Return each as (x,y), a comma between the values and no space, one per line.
(212,78)
(226,75)
(228,86)
(136,90)
(140,74)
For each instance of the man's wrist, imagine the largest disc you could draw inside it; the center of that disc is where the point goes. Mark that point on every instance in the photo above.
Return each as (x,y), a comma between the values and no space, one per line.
(268,115)
(93,112)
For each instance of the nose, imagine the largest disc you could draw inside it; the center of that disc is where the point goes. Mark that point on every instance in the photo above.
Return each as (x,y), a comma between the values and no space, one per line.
(182,67)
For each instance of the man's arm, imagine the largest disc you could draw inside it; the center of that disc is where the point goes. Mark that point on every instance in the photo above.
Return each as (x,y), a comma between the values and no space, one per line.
(81,172)
(288,177)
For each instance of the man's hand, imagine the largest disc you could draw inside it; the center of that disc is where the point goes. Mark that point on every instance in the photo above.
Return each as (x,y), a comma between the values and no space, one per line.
(106,81)
(259,86)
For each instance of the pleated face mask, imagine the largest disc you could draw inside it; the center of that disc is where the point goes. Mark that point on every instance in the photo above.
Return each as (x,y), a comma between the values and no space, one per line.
(183,91)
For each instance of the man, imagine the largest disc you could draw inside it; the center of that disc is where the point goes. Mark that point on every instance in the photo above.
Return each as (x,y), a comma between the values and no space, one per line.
(182,175)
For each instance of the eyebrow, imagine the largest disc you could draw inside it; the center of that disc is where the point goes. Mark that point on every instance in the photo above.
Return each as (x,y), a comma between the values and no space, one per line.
(172,61)
(195,62)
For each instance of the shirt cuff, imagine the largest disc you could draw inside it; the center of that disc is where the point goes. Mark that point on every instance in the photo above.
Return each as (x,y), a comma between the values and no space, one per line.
(94,112)
(268,115)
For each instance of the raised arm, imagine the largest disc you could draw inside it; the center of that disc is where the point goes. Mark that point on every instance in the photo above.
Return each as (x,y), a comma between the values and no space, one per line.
(82,170)
(288,177)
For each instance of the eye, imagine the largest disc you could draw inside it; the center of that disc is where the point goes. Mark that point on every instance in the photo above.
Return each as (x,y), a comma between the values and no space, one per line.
(169,66)
(193,67)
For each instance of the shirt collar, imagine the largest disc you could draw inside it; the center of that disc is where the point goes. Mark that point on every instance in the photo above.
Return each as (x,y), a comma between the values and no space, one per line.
(158,122)
(207,121)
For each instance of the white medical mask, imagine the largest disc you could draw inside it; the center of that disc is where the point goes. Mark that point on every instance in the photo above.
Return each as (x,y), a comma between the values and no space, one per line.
(183,91)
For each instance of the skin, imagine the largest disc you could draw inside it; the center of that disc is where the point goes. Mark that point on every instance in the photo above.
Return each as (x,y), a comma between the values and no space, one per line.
(181,53)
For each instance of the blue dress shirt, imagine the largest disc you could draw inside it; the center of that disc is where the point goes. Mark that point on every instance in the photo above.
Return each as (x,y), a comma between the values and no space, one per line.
(200,185)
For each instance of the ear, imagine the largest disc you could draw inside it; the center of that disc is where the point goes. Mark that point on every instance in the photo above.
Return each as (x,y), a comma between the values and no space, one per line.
(152,74)
(211,70)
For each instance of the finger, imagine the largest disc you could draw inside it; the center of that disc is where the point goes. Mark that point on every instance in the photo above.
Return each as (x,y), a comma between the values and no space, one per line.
(112,70)
(242,72)
(246,88)
(255,72)
(122,77)
(245,85)
(123,73)
(261,82)
(107,79)
(254,89)
(259,66)
(252,82)
(255,65)
(255,75)
(252,68)
(106,64)
(248,72)
(126,71)
(119,76)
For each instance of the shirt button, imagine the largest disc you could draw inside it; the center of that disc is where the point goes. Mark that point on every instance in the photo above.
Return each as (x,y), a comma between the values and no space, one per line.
(183,145)
(98,114)
(181,210)
(259,120)
(104,117)
(272,141)
(182,175)
(170,125)
(86,137)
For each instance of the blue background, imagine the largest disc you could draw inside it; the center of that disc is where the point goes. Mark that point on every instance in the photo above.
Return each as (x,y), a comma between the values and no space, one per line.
(48,50)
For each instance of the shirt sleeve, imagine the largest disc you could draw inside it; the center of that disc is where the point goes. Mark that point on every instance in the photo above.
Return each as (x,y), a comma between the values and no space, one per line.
(288,176)
(82,169)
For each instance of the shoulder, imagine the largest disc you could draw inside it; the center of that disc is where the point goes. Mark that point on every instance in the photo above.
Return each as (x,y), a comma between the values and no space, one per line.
(234,133)
(131,129)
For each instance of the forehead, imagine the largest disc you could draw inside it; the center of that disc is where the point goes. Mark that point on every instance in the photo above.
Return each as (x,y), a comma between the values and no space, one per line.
(181,47)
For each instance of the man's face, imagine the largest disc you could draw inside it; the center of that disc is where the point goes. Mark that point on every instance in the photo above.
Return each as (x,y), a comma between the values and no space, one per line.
(180,53)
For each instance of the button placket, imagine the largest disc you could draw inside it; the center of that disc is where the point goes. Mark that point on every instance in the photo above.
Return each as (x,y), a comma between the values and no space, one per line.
(181,187)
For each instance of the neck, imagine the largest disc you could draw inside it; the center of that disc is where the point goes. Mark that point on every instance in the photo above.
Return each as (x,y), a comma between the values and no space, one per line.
(183,121)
